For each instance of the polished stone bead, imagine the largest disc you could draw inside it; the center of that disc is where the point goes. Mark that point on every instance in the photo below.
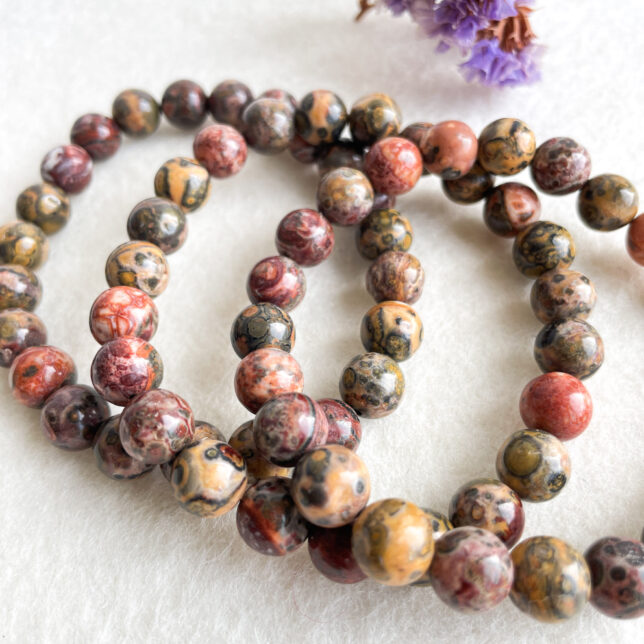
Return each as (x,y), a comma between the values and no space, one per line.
(374,117)
(343,153)
(384,229)
(393,165)
(99,135)
(345,196)
(635,240)
(560,166)
(160,222)
(228,100)
(562,293)
(542,247)
(262,325)
(440,525)
(19,288)
(305,236)
(304,152)
(221,149)
(69,167)
(136,113)
(44,205)
(281,95)
(330,552)
(417,133)
(23,244)
(471,187)
(506,146)
(268,125)
(278,280)
(19,330)
(510,208)
(607,202)
(138,264)
(395,275)
(344,424)
(449,149)
(184,104)
(184,181)
(320,117)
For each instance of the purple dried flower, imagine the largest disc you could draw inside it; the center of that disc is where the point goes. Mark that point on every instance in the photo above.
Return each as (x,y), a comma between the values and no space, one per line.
(397,7)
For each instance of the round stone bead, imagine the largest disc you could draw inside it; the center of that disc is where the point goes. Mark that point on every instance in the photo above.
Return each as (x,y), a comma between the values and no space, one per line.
(320,117)
(344,424)
(19,288)
(560,166)
(471,187)
(506,146)
(569,345)
(121,311)
(184,181)
(562,293)
(607,202)
(110,456)
(305,236)
(156,426)
(345,196)
(136,113)
(417,133)
(99,135)
(372,384)
(44,205)
(440,525)
(138,264)
(281,95)
(393,165)
(184,104)
(221,149)
(67,166)
(262,325)
(125,367)
(511,207)
(635,240)
(384,229)
(257,466)
(449,149)
(392,542)
(302,151)
(617,576)
(38,372)
(160,222)
(551,579)
(287,426)
(228,100)
(490,505)
(471,570)
(330,552)
(343,153)
(542,247)
(534,463)
(23,244)
(208,478)
(264,374)
(72,417)
(392,328)
(374,117)
(19,330)
(278,280)
(268,520)
(557,403)
(395,275)
(268,125)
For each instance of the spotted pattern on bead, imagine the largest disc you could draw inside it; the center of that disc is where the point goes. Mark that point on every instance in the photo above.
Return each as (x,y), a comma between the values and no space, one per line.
(396,275)
(45,205)
(23,244)
(572,346)
(320,117)
(383,230)
(184,104)
(268,520)
(506,146)
(471,187)
(510,208)
(344,424)
(449,149)
(372,384)
(19,330)
(607,202)
(551,579)
(562,293)
(268,125)
(305,236)
(184,181)
(138,264)
(635,240)
(19,288)
(374,117)
(262,325)
(228,100)
(560,166)
(440,525)
(160,222)
(208,478)
(67,166)
(277,280)
(343,153)
(330,552)
(136,113)
(392,542)
(542,247)
(345,196)
(535,464)
(417,133)
(393,166)
(99,135)
(221,149)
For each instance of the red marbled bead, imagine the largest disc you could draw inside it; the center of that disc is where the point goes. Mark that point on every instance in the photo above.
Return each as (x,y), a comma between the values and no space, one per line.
(67,166)
(393,165)
(121,311)
(557,403)
(635,239)
(330,552)
(449,149)
(184,104)
(19,330)
(278,280)
(221,149)
(344,424)
(124,368)
(38,372)
(264,374)
(156,426)
(288,425)
(560,166)
(98,134)
(305,236)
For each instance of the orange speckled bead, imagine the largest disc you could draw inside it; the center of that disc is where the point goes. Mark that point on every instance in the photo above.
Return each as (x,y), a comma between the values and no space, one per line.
(136,113)
(607,202)
(320,117)
(345,196)
(562,293)
(19,288)
(139,264)
(506,146)
(44,205)
(184,181)
(542,246)
(449,149)
(374,117)
(23,244)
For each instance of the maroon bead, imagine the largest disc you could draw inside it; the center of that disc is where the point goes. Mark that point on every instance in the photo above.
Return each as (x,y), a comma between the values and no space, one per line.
(228,101)
(72,416)
(341,154)
(560,166)
(305,236)
(330,552)
(344,424)
(302,151)
(221,149)
(558,403)
(98,134)
(67,166)
(511,207)
(278,280)
(184,104)
(635,240)
(393,165)
(268,520)
(19,330)
(124,368)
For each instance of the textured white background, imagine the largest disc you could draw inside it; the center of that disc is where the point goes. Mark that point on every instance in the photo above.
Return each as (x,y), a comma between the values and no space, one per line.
(84,558)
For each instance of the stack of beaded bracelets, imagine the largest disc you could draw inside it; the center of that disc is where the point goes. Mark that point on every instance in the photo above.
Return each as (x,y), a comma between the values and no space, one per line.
(391,541)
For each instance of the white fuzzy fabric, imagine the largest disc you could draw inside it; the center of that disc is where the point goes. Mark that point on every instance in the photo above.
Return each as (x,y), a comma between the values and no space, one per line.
(84,558)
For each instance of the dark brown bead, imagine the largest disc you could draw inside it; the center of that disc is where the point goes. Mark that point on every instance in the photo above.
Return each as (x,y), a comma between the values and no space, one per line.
(184,104)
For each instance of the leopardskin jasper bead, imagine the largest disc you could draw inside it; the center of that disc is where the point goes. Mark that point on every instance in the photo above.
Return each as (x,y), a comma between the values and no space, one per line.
(277,280)
(67,166)
(562,293)
(344,424)
(268,125)
(228,100)
(417,133)
(304,152)
(136,113)
(45,205)
(184,181)
(23,244)
(395,275)
(560,166)
(535,464)
(374,117)
(138,264)
(320,117)
(551,579)
(281,95)
(511,207)
(160,222)
(384,229)
(542,247)
(440,525)
(635,240)
(343,153)
(184,104)
(607,202)
(617,576)
(393,166)
(19,330)
(305,236)
(506,146)
(471,187)
(330,552)
(345,196)
(99,135)
(221,149)
(260,326)
(19,288)
(449,149)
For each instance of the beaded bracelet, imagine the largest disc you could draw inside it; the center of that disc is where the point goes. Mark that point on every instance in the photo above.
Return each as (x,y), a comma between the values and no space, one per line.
(391,541)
